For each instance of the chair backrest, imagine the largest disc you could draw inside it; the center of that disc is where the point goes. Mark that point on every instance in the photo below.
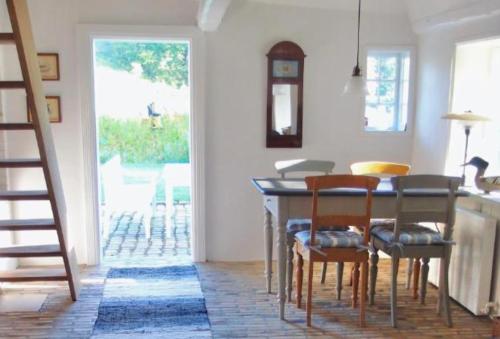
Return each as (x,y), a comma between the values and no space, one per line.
(303,165)
(379,167)
(112,180)
(318,183)
(437,213)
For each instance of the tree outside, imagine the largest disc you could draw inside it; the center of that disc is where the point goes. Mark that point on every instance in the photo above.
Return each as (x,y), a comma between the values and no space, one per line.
(154,74)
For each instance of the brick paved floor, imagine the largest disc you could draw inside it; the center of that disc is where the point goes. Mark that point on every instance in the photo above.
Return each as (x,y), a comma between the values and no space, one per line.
(238,306)
(127,244)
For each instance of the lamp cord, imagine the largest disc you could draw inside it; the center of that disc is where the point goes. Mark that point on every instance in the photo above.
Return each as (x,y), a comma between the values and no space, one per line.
(359,25)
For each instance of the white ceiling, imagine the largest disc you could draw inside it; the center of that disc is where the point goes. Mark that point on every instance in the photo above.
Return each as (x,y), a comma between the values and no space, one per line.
(386,6)
(419,9)
(423,14)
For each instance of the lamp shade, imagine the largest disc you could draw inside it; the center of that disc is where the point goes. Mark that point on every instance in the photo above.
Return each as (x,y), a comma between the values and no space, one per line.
(467,118)
(356,86)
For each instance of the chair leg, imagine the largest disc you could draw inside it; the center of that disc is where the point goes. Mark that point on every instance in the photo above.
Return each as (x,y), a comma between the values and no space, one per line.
(409,273)
(364,288)
(416,273)
(340,274)
(352,273)
(323,272)
(300,279)
(423,279)
(355,285)
(373,276)
(444,289)
(309,293)
(289,273)
(394,288)
(147,222)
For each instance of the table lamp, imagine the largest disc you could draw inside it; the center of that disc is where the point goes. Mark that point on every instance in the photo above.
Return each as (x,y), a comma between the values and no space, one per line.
(467,120)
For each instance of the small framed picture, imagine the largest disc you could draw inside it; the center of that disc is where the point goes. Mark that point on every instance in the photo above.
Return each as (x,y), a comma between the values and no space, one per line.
(54,108)
(49,66)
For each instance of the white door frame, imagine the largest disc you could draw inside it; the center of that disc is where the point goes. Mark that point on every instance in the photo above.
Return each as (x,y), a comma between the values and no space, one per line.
(85,36)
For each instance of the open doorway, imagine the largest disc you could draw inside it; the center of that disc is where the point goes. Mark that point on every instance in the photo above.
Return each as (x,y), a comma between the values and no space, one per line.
(142,105)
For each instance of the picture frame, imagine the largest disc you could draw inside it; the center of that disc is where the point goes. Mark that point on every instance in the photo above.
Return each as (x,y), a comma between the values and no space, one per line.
(49,66)
(54,108)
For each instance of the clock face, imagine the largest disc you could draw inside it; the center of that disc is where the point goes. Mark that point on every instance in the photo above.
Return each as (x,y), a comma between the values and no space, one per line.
(285,68)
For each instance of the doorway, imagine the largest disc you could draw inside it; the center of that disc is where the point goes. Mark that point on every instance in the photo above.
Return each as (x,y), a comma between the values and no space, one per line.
(142,113)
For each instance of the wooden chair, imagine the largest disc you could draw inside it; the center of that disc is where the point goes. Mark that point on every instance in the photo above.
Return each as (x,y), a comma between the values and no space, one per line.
(303,165)
(385,169)
(294,226)
(379,168)
(317,245)
(407,239)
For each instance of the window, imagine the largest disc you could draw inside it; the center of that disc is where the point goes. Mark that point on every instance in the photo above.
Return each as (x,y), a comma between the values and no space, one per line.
(388,84)
(476,80)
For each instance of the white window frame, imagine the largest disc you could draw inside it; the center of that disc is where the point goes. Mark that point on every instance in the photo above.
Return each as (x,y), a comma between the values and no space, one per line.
(411,50)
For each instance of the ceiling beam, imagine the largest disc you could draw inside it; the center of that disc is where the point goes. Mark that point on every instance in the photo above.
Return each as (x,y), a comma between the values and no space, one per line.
(210,14)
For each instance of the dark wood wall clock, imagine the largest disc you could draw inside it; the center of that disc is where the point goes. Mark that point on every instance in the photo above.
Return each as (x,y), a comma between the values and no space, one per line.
(285,79)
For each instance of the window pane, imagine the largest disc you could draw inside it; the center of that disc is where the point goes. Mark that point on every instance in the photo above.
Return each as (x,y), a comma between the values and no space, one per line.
(387,92)
(371,71)
(387,68)
(379,117)
(372,87)
(405,90)
(388,85)
(405,70)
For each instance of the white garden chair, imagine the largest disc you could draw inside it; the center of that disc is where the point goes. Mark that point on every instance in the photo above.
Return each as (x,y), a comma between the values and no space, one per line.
(120,197)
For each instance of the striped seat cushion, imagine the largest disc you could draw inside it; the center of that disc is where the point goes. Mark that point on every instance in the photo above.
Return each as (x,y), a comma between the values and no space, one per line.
(294,226)
(413,234)
(328,239)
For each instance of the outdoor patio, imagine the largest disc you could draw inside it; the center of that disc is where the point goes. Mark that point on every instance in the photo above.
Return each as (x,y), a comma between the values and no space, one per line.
(145,213)
(127,243)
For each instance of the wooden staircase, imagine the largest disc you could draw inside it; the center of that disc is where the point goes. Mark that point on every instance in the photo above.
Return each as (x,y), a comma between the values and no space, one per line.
(22,38)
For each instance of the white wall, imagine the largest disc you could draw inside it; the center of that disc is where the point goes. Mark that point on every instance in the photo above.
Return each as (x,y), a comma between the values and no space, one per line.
(235,103)
(133,12)
(436,54)
(236,99)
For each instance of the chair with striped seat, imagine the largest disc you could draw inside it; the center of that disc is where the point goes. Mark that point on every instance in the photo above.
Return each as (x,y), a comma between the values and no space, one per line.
(294,226)
(407,238)
(388,169)
(324,244)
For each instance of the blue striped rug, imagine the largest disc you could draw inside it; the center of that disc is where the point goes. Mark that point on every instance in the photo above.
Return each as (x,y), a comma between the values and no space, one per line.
(153,302)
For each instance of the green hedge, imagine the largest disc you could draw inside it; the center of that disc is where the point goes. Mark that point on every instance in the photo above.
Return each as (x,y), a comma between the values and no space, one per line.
(138,143)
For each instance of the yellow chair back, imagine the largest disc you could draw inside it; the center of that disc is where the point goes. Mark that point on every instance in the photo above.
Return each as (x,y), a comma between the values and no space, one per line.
(379,167)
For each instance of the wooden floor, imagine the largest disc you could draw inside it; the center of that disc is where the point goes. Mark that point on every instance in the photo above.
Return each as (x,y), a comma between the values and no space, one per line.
(239,307)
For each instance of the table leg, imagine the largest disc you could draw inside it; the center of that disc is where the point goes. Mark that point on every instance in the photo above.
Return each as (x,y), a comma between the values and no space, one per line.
(281,247)
(268,241)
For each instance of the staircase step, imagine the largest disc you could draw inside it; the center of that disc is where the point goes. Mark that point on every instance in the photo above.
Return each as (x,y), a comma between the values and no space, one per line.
(27,225)
(23,251)
(33,274)
(11,84)
(20,163)
(24,195)
(7,38)
(15,126)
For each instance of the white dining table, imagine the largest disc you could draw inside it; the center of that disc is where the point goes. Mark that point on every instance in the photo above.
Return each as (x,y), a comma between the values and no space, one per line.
(289,198)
